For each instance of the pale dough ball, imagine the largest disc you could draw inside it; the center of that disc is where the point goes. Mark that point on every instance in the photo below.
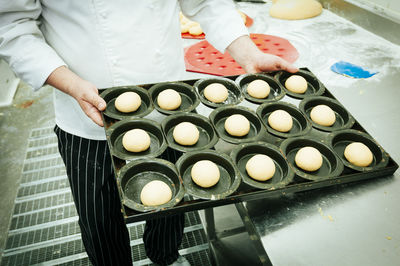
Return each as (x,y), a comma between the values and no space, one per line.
(280,120)
(237,125)
(295,9)
(216,93)
(260,167)
(184,28)
(205,173)
(169,99)
(136,140)
(183,19)
(359,154)
(296,84)
(243,16)
(128,102)
(323,115)
(192,23)
(155,193)
(309,159)
(195,30)
(186,133)
(258,89)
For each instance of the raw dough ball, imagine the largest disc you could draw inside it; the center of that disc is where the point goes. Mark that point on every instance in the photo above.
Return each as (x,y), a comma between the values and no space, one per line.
(309,159)
(155,193)
(128,102)
(190,26)
(258,89)
(323,115)
(195,30)
(186,133)
(295,9)
(136,140)
(296,84)
(243,16)
(359,154)
(205,173)
(169,99)
(280,120)
(260,167)
(237,125)
(216,92)
(184,28)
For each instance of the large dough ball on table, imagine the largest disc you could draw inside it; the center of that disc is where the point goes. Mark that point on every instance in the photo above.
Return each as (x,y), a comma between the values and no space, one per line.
(260,167)
(155,193)
(186,133)
(309,159)
(258,89)
(136,140)
(205,173)
(280,120)
(323,115)
(237,125)
(128,102)
(216,92)
(359,154)
(296,84)
(169,99)
(295,9)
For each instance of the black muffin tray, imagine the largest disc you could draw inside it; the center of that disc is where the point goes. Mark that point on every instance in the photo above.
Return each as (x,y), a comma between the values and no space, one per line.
(231,154)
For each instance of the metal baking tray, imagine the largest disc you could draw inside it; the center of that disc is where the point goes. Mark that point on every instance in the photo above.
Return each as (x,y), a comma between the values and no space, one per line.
(301,181)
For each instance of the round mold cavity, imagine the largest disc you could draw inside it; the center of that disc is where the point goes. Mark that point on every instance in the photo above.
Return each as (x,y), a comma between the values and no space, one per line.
(340,139)
(189,97)
(343,118)
(283,173)
(136,174)
(219,116)
(157,140)
(229,176)
(314,86)
(111,94)
(331,167)
(207,135)
(276,92)
(301,125)
(234,94)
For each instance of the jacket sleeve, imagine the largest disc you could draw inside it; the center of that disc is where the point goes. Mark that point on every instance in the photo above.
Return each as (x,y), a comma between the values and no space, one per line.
(22,43)
(219,20)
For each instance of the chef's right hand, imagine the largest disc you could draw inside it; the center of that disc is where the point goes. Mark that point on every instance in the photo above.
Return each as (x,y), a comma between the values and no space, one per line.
(84,92)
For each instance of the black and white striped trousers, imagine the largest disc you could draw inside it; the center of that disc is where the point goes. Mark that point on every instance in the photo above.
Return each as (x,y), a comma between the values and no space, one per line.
(103,229)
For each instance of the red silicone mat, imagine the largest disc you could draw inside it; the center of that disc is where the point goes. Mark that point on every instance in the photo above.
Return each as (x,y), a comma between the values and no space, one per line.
(187,35)
(202,57)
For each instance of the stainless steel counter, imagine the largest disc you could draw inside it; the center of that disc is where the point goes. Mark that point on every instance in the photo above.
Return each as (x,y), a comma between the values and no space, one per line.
(357,224)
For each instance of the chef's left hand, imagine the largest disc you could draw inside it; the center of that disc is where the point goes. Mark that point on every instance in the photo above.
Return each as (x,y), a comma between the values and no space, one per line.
(252,60)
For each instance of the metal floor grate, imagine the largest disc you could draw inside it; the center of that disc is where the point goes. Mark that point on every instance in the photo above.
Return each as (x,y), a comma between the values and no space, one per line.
(44,227)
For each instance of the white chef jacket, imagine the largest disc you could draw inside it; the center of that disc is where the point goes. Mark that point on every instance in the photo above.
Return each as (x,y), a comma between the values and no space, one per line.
(109,43)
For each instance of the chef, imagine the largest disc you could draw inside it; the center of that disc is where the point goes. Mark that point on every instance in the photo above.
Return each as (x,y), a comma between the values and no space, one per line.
(80,46)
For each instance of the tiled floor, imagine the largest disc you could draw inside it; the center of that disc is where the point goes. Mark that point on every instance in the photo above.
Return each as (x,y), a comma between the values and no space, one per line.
(44,226)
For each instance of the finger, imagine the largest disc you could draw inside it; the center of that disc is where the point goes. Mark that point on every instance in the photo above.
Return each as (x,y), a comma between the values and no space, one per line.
(94,114)
(250,69)
(284,65)
(93,98)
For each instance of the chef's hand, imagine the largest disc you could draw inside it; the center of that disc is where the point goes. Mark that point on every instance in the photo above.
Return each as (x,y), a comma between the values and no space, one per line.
(252,60)
(84,92)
